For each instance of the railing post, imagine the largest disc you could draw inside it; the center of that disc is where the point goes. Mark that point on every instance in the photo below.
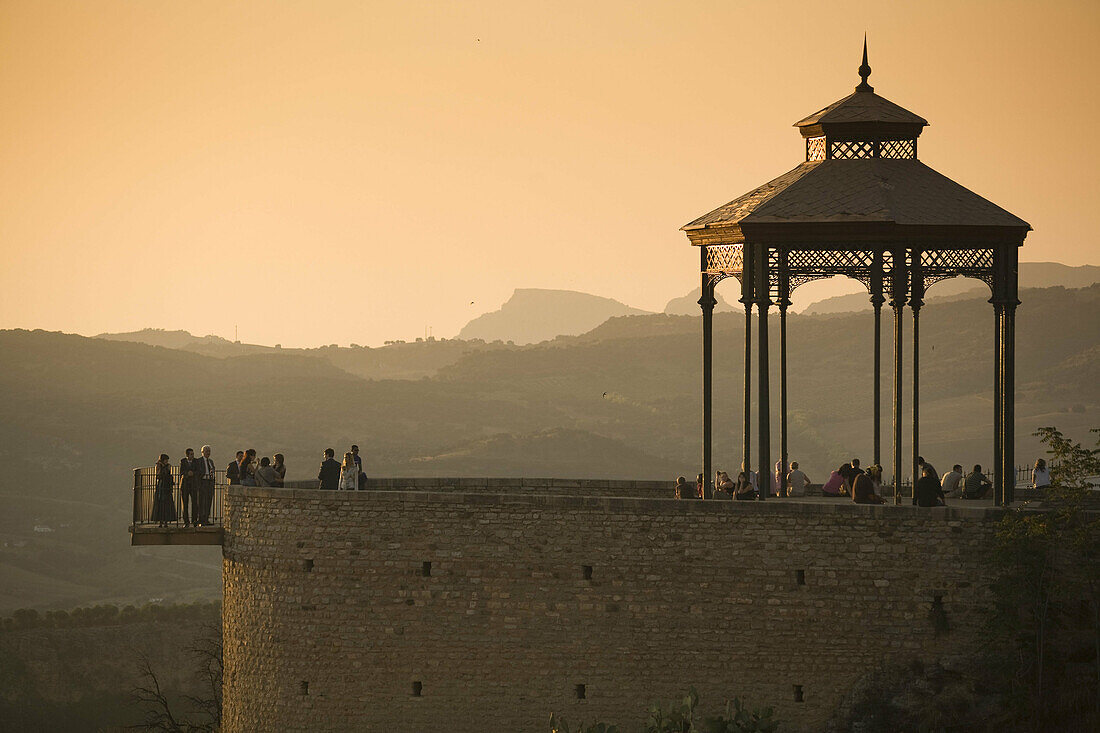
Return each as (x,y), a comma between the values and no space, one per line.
(137,496)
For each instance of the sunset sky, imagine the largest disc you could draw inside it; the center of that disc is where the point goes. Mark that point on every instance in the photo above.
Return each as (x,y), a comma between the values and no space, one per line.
(322,172)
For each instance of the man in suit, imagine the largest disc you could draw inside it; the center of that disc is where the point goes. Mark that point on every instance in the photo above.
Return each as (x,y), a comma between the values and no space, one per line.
(206,486)
(329,475)
(233,470)
(190,470)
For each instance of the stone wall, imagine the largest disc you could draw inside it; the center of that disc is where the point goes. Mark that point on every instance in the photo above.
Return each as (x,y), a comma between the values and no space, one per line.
(532,486)
(416,611)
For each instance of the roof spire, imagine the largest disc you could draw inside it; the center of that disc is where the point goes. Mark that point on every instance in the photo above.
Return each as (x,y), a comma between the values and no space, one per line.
(864,70)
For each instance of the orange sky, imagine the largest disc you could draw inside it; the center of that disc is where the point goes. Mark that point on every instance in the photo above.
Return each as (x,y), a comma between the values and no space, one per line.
(334,172)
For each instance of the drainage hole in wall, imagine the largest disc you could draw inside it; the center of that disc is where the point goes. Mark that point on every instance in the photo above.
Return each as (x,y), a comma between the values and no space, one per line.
(586,572)
(304,688)
(426,569)
(418,688)
(307,565)
(800,577)
(581,692)
(798,693)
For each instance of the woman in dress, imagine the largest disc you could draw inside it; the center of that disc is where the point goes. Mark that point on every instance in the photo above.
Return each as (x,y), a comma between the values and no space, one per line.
(349,474)
(280,469)
(164,508)
(1041,477)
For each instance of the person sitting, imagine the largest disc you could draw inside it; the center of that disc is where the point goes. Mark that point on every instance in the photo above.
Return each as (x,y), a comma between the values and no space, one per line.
(743,489)
(266,475)
(928,491)
(1040,478)
(950,483)
(864,485)
(699,486)
(835,484)
(796,481)
(724,484)
(976,484)
(329,475)
(923,464)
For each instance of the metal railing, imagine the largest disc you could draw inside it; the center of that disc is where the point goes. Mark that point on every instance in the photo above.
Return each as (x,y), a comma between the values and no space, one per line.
(145,485)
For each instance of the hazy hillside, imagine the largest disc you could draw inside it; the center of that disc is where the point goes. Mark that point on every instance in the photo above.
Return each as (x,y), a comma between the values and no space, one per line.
(532,315)
(1032,275)
(76,414)
(688,305)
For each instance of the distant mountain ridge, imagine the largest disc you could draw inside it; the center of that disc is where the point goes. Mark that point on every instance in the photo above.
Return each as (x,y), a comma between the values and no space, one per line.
(1032,275)
(532,315)
(688,305)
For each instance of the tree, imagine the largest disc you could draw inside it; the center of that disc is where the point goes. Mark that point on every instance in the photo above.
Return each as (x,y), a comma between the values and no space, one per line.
(159,715)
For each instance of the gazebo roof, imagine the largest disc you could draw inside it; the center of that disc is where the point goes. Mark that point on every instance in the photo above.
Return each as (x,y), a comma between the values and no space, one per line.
(861,171)
(904,192)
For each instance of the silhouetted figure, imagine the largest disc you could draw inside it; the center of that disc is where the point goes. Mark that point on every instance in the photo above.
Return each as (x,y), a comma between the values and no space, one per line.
(329,475)
(976,484)
(928,491)
(190,470)
(923,464)
(206,487)
(950,483)
(796,481)
(864,485)
(682,489)
(248,468)
(1040,478)
(280,469)
(164,509)
(233,470)
(349,473)
(361,480)
(265,474)
(855,469)
(699,486)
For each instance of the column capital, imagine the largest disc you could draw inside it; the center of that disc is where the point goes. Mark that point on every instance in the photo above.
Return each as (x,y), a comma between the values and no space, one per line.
(707,302)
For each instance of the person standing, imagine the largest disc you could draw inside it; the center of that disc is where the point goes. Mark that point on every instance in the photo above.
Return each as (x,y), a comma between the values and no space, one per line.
(190,471)
(361,476)
(164,509)
(280,468)
(796,481)
(950,483)
(329,475)
(206,487)
(233,470)
(265,474)
(349,473)
(248,468)
(928,491)
(1040,478)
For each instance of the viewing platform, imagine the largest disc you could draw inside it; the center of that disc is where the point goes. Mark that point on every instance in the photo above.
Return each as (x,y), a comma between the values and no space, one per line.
(146,531)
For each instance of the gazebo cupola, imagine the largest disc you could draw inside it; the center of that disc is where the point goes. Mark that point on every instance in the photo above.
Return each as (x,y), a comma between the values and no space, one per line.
(862,125)
(860,205)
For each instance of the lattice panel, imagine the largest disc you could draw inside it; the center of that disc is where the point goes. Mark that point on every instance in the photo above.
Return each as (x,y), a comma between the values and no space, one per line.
(725,259)
(852,149)
(807,265)
(904,149)
(815,148)
(943,264)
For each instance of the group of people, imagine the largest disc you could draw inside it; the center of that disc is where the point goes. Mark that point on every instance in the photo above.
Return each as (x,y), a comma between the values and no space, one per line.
(346,475)
(196,484)
(851,480)
(245,470)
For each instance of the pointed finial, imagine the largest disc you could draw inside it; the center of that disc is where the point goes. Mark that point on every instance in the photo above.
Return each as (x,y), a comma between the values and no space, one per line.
(864,70)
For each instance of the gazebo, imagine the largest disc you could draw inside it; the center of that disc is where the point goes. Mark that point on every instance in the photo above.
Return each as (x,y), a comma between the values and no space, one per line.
(860,205)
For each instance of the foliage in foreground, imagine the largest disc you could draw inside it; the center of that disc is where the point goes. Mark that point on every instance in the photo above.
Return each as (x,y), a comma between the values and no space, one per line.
(1047,614)
(680,717)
